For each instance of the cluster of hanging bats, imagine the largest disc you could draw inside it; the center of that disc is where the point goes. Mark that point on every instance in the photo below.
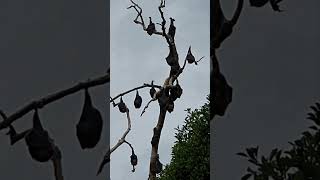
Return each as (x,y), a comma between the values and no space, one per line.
(41,147)
(173,61)
(165,96)
(89,128)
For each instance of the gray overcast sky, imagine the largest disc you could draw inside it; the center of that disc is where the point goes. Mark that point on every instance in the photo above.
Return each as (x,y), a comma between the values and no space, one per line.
(137,58)
(47,46)
(272,61)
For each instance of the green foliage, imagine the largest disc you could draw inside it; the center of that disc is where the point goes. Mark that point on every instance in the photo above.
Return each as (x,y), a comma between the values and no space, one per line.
(300,162)
(190,154)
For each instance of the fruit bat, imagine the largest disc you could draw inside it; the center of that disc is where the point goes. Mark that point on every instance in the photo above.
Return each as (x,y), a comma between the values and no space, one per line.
(89,127)
(152,90)
(40,145)
(151,27)
(122,106)
(170,106)
(172,29)
(133,160)
(137,100)
(190,58)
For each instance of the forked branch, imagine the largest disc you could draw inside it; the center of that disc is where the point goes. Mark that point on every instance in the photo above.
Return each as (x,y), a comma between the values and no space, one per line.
(106,158)
(139,16)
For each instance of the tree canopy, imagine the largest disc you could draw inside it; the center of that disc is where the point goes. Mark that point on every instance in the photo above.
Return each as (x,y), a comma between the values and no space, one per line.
(300,162)
(191,152)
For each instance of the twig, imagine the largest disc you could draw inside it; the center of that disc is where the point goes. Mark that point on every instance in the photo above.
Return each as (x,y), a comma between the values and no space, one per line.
(136,7)
(200,59)
(237,12)
(144,109)
(53,97)
(162,5)
(56,160)
(129,144)
(139,15)
(122,139)
(106,158)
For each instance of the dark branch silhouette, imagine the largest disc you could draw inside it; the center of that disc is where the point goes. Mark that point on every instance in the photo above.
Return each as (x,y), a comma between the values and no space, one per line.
(38,104)
(222,28)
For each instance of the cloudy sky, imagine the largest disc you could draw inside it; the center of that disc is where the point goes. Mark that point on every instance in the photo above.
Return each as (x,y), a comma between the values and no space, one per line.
(272,61)
(138,58)
(47,46)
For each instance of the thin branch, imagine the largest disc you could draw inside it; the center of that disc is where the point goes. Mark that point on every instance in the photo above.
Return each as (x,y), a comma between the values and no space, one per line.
(200,59)
(139,15)
(136,88)
(237,13)
(136,7)
(132,153)
(144,109)
(54,97)
(56,161)
(14,136)
(3,115)
(129,144)
(106,158)
(122,139)
(163,24)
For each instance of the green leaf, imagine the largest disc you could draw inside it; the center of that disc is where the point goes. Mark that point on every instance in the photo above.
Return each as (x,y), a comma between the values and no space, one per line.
(314,108)
(273,153)
(307,134)
(314,128)
(246,177)
(241,154)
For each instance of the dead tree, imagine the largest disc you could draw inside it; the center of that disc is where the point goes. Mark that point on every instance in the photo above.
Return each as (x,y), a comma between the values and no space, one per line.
(165,94)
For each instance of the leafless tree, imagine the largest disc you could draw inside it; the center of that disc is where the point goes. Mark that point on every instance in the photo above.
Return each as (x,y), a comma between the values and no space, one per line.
(165,94)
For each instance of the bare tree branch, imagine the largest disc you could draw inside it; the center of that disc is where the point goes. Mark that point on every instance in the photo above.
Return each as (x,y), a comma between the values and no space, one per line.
(163,23)
(139,15)
(106,158)
(56,161)
(3,115)
(144,109)
(54,97)
(122,139)
(237,12)
(136,88)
